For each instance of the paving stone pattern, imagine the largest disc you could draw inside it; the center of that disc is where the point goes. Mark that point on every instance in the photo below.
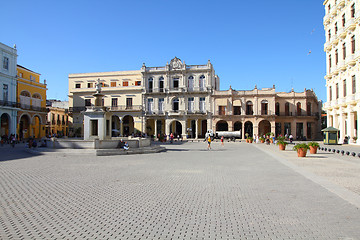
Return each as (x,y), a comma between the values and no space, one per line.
(231,192)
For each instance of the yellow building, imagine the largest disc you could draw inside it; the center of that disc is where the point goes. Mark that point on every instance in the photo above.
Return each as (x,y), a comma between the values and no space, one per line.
(57,118)
(31,94)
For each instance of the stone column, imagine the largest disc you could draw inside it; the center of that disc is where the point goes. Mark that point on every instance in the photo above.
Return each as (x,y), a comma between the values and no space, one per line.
(167,128)
(183,126)
(155,128)
(121,127)
(351,126)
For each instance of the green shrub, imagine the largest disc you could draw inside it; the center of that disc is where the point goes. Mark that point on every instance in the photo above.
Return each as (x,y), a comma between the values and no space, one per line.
(261,139)
(304,146)
(313,144)
(281,142)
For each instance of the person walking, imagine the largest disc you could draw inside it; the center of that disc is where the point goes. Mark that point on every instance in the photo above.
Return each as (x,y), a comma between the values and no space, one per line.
(222,140)
(209,142)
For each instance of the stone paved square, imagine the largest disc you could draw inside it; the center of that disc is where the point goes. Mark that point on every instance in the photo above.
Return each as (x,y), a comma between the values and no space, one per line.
(230,192)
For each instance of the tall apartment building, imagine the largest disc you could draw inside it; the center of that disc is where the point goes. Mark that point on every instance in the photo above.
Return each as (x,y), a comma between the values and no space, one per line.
(178,98)
(261,111)
(342,66)
(8,105)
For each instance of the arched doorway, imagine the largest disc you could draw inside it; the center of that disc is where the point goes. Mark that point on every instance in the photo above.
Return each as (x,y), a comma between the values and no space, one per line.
(36,127)
(203,128)
(5,125)
(115,126)
(192,128)
(248,128)
(128,125)
(176,128)
(264,127)
(222,126)
(24,127)
(238,127)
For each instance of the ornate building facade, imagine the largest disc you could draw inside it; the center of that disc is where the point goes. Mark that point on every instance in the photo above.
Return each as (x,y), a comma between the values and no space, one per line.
(261,111)
(178,98)
(343,66)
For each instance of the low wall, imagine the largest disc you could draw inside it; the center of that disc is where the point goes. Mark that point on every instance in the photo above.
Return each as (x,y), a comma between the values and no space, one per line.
(98,144)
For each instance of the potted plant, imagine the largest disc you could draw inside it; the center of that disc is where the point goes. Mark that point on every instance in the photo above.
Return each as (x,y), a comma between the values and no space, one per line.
(354,138)
(272,137)
(247,135)
(313,147)
(281,142)
(301,149)
(249,139)
(261,139)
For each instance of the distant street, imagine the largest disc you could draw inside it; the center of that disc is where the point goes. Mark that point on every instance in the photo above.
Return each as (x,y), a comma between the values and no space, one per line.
(239,191)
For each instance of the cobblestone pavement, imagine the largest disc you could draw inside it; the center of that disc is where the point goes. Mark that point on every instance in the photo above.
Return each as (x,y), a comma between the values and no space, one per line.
(231,192)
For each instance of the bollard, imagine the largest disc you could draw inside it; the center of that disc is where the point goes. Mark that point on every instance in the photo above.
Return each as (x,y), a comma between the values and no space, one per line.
(347,153)
(337,151)
(342,152)
(333,150)
(353,154)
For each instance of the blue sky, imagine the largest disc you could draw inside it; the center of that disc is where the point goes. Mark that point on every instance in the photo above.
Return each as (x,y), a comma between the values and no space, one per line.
(249,42)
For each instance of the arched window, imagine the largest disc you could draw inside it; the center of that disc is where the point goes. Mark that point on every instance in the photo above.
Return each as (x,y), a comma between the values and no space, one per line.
(287,109)
(249,108)
(190,83)
(202,82)
(298,109)
(25,94)
(264,107)
(161,84)
(150,84)
(277,109)
(175,104)
(36,95)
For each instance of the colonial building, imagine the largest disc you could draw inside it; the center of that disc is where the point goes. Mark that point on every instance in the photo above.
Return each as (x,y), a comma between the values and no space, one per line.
(8,105)
(178,98)
(31,94)
(342,66)
(57,121)
(261,111)
(123,97)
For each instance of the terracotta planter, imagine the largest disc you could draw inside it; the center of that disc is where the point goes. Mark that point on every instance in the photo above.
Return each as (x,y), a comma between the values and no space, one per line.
(313,150)
(262,141)
(250,141)
(282,147)
(271,140)
(247,140)
(301,152)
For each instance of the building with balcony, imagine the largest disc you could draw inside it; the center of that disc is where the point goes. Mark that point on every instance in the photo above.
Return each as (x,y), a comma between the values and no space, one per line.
(261,111)
(342,48)
(122,97)
(31,97)
(8,106)
(177,98)
(57,120)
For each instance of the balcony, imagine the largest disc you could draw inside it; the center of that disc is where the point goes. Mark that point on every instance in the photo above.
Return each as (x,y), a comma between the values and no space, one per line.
(125,108)
(76,109)
(33,108)
(350,24)
(176,112)
(351,60)
(9,104)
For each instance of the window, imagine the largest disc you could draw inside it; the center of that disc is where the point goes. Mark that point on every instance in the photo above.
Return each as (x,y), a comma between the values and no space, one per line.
(264,107)
(5,92)
(112,84)
(329,34)
(161,84)
(129,103)
(308,109)
(344,51)
(31,77)
(191,104)
(329,7)
(191,83)
(343,20)
(78,85)
(249,108)
(176,83)
(6,63)
(202,82)
(20,75)
(353,10)
(277,109)
(330,63)
(353,44)
(336,57)
(125,83)
(94,127)
(87,102)
(287,109)
(202,104)
(298,109)
(237,110)
(287,128)
(353,85)
(150,84)
(336,28)
(138,83)
(337,91)
(150,105)
(222,110)
(344,88)
(114,102)
(330,93)
(176,104)
(90,85)
(161,105)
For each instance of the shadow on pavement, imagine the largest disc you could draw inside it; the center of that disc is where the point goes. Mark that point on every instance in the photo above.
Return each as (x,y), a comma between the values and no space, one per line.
(8,153)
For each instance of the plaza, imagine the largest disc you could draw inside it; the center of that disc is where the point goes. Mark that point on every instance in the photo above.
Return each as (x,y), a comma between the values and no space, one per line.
(239,191)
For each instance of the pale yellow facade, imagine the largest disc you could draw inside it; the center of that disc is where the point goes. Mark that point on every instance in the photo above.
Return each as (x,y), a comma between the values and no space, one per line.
(342,67)
(122,95)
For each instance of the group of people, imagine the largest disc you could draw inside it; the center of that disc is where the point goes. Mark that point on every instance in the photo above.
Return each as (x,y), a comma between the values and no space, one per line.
(124,145)
(209,141)
(5,139)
